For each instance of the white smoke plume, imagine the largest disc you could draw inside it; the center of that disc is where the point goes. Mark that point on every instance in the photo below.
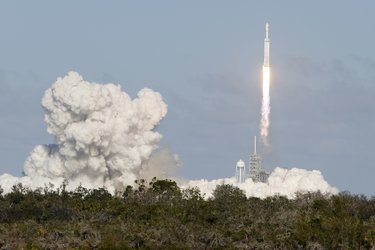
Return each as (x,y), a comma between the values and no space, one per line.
(103,137)
(286,182)
(106,139)
(266,108)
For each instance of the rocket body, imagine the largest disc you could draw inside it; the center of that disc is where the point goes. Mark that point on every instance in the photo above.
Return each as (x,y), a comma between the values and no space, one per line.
(266,62)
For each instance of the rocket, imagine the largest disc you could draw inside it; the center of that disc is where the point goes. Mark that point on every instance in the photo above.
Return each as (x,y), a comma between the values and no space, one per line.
(266,108)
(266,62)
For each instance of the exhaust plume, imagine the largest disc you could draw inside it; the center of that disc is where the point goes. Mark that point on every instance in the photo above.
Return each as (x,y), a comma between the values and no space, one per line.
(266,108)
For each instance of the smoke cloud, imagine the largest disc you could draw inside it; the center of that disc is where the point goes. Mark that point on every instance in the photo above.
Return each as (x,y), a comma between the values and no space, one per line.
(106,139)
(286,182)
(103,137)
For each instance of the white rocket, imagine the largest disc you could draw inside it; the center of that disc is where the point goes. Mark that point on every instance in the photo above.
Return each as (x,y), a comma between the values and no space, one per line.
(266,108)
(266,62)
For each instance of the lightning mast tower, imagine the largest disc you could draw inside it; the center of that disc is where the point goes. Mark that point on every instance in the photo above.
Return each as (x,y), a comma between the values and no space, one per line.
(255,166)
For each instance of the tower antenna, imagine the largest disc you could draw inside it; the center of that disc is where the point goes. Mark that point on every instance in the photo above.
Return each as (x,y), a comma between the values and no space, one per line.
(255,145)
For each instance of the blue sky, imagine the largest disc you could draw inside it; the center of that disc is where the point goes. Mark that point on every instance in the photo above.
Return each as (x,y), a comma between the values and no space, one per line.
(205,58)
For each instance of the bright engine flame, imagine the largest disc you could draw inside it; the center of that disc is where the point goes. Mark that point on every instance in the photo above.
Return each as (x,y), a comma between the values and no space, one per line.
(266,109)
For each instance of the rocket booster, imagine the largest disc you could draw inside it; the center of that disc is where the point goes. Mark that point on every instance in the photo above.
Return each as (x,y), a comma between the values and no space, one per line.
(266,62)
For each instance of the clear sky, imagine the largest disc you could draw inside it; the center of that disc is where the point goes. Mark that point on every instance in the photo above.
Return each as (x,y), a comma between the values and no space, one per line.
(205,58)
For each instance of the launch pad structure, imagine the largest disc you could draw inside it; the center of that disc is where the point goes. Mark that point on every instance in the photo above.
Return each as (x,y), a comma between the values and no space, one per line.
(255,169)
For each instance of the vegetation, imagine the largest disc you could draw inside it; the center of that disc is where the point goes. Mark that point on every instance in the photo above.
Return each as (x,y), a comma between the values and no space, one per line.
(159,215)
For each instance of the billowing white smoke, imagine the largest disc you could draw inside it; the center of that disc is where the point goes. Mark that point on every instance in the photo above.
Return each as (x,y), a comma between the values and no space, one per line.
(104,138)
(281,181)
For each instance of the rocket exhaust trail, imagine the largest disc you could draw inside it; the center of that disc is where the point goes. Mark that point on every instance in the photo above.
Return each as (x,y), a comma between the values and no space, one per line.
(266,109)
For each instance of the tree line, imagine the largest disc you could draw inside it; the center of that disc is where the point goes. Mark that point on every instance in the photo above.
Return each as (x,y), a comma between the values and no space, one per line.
(160,215)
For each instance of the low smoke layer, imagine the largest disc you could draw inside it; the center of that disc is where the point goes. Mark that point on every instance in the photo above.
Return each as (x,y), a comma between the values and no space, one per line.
(286,182)
(106,139)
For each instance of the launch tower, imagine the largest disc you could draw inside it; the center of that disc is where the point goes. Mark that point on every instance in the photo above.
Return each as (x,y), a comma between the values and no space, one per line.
(256,172)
